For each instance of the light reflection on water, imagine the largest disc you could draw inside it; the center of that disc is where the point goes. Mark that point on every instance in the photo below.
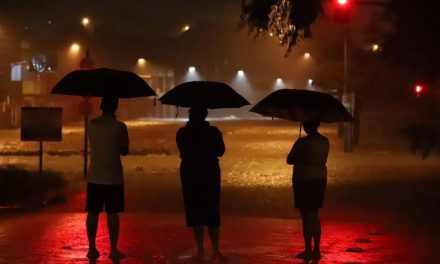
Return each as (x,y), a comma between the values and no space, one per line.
(60,238)
(255,151)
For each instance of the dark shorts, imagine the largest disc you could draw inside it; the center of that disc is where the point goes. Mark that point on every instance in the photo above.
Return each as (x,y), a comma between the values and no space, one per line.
(100,195)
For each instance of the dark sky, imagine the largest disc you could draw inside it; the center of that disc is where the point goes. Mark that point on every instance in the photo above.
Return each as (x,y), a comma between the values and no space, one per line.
(129,29)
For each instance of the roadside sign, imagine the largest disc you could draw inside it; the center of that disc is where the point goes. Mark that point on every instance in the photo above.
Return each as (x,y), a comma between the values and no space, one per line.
(41,123)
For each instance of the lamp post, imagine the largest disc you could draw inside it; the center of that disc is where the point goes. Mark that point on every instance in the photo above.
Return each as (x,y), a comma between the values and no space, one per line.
(85,107)
(342,16)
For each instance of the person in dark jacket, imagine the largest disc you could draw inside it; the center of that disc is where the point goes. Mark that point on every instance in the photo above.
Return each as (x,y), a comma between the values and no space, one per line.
(309,157)
(200,146)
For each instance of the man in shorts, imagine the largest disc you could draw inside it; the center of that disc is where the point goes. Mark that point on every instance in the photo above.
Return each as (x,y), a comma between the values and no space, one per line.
(105,183)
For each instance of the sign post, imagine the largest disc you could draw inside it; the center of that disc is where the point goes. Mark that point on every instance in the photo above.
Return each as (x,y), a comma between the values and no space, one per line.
(85,108)
(41,124)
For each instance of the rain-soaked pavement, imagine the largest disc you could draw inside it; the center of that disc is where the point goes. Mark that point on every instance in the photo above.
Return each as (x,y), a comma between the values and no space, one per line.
(381,206)
(57,235)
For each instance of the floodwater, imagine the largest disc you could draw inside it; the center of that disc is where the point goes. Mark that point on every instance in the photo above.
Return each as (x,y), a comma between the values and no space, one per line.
(369,190)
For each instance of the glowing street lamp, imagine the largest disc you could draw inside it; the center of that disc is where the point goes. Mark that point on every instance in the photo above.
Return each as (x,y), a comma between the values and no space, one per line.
(141,62)
(307,55)
(309,84)
(75,48)
(192,74)
(240,73)
(85,22)
(279,84)
(375,47)
(186,28)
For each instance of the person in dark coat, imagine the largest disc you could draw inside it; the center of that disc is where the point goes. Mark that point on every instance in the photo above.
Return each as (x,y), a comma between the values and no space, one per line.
(309,157)
(200,146)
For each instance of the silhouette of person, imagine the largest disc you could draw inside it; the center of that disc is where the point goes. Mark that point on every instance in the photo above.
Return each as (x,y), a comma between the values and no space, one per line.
(309,157)
(200,146)
(105,188)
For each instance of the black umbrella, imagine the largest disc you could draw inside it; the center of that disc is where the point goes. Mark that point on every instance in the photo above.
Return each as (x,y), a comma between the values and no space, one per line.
(302,105)
(103,82)
(204,94)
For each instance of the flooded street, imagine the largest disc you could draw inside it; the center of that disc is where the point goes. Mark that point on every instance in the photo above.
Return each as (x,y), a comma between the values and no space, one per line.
(388,200)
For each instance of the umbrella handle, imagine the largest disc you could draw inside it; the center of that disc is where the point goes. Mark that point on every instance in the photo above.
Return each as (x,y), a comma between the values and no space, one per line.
(177,112)
(300,128)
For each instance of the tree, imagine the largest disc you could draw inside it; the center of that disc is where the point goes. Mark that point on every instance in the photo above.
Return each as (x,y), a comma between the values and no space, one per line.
(289,20)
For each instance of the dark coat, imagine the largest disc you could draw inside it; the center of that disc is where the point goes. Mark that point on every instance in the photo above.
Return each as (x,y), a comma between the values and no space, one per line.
(200,145)
(309,157)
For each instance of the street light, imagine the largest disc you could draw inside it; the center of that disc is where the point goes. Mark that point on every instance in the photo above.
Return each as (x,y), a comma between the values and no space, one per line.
(307,55)
(375,47)
(75,48)
(141,62)
(192,74)
(279,84)
(240,73)
(85,22)
(186,28)
(342,16)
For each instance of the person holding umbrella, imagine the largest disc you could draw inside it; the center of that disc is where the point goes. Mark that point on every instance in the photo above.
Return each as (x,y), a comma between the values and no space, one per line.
(309,154)
(200,146)
(309,157)
(105,184)
(109,140)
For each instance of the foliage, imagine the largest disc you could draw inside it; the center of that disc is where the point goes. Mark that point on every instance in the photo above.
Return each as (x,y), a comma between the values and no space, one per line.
(289,20)
(20,185)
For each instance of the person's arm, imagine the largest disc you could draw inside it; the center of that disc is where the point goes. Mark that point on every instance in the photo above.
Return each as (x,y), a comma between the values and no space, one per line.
(292,157)
(123,144)
(219,144)
(179,140)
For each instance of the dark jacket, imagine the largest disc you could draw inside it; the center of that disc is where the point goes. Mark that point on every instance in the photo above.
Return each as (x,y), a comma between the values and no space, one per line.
(309,156)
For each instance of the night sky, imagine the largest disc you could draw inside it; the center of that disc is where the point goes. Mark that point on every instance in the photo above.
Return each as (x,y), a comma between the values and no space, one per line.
(126,30)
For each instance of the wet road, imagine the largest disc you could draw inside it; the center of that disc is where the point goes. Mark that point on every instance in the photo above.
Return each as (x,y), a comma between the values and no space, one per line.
(57,235)
(256,186)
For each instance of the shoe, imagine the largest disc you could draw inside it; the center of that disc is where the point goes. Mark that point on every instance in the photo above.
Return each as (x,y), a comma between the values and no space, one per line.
(197,258)
(316,255)
(117,255)
(92,254)
(219,258)
(304,255)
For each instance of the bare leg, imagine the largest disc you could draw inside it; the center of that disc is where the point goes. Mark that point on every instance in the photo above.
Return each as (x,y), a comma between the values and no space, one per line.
(307,235)
(113,231)
(198,232)
(214,236)
(316,234)
(92,228)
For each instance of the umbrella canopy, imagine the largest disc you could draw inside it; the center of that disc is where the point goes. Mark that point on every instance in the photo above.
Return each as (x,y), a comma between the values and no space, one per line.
(211,95)
(302,105)
(103,82)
